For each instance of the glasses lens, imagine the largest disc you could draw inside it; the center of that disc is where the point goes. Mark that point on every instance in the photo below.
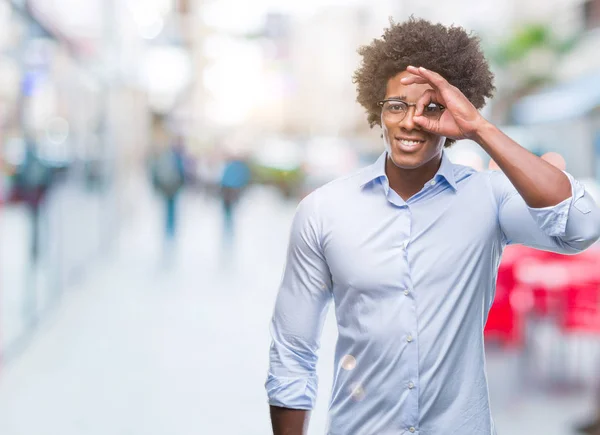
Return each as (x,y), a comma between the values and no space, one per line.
(395,108)
(433,111)
(398,109)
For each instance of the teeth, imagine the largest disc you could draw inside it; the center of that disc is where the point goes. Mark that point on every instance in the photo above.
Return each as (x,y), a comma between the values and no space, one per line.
(410,142)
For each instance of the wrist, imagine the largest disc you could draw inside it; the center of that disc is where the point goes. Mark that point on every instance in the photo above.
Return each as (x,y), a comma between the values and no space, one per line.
(482,130)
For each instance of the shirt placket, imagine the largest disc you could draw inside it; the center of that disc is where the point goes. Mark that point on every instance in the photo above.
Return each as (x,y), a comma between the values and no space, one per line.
(410,336)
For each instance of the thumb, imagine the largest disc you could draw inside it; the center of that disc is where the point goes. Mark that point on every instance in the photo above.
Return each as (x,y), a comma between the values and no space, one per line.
(426,123)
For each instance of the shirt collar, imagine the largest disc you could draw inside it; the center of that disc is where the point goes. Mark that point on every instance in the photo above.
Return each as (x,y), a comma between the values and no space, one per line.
(374,171)
(377,170)
(447,170)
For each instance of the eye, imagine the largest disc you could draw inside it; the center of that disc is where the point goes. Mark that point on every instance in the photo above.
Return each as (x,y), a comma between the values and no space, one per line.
(433,108)
(396,107)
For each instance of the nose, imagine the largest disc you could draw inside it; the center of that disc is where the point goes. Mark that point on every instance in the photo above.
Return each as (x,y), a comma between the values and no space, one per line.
(407,123)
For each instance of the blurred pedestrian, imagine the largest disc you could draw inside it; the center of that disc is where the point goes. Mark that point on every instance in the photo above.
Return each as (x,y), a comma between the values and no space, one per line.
(32,181)
(168,177)
(408,248)
(234,180)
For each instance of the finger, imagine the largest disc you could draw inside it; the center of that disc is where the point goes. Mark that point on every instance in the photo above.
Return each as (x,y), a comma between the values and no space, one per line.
(413,79)
(429,96)
(434,78)
(413,70)
(427,124)
(419,72)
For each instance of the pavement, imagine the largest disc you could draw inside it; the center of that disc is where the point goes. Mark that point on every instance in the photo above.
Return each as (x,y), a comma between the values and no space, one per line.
(162,339)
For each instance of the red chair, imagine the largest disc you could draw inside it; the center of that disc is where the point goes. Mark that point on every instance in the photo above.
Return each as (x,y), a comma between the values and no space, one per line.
(561,292)
(581,311)
(504,324)
(534,281)
(550,274)
(506,321)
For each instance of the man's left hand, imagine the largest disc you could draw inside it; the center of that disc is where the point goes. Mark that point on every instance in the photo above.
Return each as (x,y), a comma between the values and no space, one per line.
(459,120)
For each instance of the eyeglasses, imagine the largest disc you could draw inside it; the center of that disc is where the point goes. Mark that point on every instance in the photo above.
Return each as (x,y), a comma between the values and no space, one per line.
(397,109)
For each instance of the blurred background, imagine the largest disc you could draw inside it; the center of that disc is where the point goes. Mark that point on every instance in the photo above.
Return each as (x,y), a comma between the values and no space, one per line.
(152,154)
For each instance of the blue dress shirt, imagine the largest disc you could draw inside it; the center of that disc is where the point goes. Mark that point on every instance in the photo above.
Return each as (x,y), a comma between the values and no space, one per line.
(412,284)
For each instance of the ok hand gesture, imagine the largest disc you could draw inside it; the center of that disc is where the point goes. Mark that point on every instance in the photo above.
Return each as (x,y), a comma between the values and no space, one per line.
(460,118)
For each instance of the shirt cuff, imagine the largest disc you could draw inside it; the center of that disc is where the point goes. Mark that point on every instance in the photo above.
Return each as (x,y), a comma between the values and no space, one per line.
(293,393)
(553,220)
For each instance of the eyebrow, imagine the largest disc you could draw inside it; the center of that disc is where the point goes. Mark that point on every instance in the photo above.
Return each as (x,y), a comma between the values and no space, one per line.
(401,97)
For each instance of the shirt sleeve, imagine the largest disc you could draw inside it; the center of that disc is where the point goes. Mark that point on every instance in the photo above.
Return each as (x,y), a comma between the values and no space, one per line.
(300,310)
(568,227)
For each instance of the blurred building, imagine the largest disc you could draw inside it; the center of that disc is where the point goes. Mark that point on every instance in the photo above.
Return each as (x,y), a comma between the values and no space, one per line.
(563,115)
(73,85)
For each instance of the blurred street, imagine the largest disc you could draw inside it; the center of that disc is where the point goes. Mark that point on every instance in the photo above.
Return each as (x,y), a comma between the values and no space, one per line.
(146,346)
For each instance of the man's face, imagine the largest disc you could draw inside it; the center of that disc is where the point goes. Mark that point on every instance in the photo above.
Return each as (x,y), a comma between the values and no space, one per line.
(407,144)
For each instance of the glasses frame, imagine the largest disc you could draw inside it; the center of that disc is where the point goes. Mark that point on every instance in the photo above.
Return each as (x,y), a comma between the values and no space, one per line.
(409,105)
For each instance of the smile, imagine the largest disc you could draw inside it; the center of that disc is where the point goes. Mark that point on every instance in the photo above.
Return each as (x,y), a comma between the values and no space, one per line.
(409,142)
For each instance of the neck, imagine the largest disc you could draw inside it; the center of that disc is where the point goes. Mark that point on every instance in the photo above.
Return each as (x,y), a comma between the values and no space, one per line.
(408,182)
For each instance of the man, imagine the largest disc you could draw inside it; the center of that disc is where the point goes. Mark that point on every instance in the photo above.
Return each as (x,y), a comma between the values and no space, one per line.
(409,247)
(168,177)
(32,182)
(235,178)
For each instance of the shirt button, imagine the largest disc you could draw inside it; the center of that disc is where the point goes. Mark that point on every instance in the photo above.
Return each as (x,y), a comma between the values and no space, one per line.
(411,385)
(406,292)
(432,182)
(412,429)
(409,338)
